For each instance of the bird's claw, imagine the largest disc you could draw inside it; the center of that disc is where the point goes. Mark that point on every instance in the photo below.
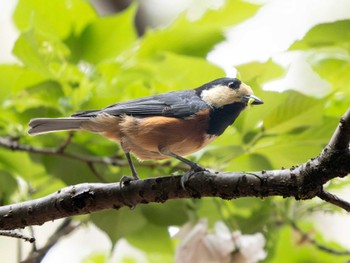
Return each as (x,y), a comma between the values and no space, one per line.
(125,180)
(194,169)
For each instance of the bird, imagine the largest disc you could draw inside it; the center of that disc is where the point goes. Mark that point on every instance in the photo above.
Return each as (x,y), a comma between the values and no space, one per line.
(167,125)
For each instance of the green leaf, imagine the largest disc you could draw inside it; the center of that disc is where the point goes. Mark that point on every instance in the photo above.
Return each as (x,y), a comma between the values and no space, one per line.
(43,184)
(43,15)
(337,105)
(57,166)
(81,14)
(8,184)
(14,78)
(329,52)
(292,149)
(167,214)
(249,162)
(9,161)
(166,69)
(38,51)
(202,39)
(108,37)
(55,17)
(225,153)
(210,208)
(33,174)
(334,67)
(287,151)
(155,241)
(121,223)
(259,73)
(43,94)
(326,35)
(293,111)
(251,214)
(196,38)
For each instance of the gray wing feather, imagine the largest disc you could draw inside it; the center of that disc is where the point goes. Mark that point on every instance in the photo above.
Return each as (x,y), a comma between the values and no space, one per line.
(177,104)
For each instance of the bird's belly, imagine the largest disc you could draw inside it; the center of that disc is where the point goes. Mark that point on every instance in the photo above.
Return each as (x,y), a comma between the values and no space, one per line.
(181,148)
(145,137)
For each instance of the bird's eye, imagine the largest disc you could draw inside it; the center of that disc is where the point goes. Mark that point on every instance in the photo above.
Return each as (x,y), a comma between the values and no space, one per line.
(233,85)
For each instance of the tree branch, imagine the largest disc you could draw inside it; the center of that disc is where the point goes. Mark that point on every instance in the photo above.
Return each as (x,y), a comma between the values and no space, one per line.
(16,234)
(341,137)
(302,182)
(306,237)
(335,200)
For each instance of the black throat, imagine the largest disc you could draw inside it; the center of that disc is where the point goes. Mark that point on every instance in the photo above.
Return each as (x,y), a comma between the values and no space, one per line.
(222,117)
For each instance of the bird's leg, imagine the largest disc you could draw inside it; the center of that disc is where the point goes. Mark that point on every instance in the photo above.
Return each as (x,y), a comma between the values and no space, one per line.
(131,165)
(126,179)
(194,168)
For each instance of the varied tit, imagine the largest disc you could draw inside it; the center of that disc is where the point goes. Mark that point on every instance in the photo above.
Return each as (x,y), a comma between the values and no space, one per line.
(167,125)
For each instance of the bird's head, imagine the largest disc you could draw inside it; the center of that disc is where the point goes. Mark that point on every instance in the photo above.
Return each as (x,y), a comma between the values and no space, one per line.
(225,91)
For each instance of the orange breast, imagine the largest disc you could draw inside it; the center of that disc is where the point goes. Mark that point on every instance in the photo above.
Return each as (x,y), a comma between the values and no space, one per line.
(145,137)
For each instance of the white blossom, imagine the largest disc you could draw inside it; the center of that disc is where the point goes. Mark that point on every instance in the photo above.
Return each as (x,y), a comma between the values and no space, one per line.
(200,245)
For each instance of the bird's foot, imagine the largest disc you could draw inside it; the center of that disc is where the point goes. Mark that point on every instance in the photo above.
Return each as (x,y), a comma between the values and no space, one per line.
(195,168)
(125,180)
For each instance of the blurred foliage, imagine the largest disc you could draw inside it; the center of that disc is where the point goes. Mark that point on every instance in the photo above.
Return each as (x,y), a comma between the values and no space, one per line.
(85,61)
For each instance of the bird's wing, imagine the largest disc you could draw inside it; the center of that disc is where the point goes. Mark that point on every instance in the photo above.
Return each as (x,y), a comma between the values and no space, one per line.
(177,104)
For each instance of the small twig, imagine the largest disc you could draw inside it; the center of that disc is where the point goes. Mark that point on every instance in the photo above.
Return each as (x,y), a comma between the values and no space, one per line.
(96,173)
(31,230)
(64,229)
(306,237)
(66,143)
(333,199)
(16,234)
(14,145)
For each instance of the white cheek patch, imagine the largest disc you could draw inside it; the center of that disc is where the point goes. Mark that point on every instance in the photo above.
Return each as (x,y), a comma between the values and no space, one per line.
(244,90)
(219,96)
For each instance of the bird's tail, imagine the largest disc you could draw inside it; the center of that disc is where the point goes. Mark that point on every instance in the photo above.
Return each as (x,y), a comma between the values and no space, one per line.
(46,125)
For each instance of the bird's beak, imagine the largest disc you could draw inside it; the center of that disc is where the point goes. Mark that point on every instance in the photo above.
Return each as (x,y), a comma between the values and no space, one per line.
(252,100)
